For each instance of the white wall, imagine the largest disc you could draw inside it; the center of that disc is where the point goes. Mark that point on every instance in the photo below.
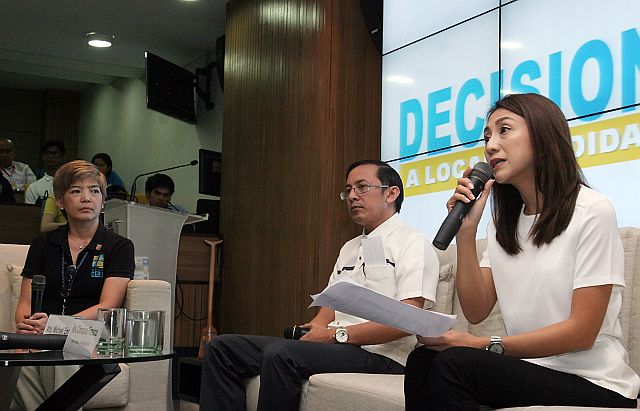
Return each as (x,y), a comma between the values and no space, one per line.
(115,119)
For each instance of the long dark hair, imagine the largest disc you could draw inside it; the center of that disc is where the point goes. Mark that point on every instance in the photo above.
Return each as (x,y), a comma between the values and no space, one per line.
(107,160)
(557,174)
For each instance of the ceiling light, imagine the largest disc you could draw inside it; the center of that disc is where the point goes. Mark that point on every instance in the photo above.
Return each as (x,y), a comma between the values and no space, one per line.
(99,40)
(511,45)
(400,79)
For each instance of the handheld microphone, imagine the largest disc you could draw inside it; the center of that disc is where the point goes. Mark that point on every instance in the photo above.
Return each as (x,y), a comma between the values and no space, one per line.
(37,292)
(480,174)
(133,186)
(295,332)
(9,341)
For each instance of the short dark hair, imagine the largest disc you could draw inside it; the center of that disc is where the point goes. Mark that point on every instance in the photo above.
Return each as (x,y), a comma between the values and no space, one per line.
(104,157)
(54,143)
(159,180)
(72,171)
(116,191)
(387,176)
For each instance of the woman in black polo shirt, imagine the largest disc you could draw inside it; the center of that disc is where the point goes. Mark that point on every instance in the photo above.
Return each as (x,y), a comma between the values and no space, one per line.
(86,266)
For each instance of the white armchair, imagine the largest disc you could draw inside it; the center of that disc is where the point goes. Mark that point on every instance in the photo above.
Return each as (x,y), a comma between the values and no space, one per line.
(141,386)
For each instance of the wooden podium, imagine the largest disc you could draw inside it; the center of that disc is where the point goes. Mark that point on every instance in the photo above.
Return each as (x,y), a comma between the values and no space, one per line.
(155,233)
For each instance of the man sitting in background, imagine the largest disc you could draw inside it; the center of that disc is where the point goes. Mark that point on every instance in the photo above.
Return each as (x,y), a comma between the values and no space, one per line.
(53,157)
(159,188)
(18,174)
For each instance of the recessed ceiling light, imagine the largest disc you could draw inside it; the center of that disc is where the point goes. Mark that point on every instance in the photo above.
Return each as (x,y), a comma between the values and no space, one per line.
(99,40)
(511,45)
(400,79)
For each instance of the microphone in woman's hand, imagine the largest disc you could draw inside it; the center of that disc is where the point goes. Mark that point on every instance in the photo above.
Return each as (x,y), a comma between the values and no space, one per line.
(38,283)
(480,174)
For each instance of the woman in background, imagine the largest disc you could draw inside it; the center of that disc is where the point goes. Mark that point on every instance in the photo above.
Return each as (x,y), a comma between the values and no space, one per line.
(52,216)
(554,263)
(105,165)
(86,267)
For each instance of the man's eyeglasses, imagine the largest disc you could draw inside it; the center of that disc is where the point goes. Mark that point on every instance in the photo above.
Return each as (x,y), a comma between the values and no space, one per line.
(54,154)
(359,189)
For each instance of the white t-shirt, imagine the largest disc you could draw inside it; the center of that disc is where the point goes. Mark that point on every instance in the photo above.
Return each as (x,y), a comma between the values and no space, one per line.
(41,188)
(535,287)
(401,264)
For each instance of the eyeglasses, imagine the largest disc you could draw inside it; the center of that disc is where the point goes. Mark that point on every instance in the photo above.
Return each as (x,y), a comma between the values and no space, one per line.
(359,189)
(54,154)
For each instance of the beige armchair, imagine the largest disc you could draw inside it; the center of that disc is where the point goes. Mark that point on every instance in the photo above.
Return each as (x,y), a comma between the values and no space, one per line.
(141,386)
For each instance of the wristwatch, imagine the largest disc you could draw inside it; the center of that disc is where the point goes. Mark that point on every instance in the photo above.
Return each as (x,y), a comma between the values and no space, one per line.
(495,345)
(341,336)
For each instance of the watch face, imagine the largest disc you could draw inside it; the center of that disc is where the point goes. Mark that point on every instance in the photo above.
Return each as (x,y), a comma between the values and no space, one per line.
(341,335)
(496,347)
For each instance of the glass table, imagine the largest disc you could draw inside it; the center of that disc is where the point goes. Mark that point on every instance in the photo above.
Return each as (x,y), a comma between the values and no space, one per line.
(95,372)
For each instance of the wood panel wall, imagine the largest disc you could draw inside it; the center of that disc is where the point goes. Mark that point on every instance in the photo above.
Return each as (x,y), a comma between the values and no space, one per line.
(302,101)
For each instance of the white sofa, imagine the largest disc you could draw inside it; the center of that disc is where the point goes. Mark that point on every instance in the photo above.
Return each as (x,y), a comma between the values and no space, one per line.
(370,392)
(138,387)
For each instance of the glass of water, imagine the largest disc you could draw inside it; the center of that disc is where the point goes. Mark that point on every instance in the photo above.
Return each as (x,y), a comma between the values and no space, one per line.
(112,336)
(144,332)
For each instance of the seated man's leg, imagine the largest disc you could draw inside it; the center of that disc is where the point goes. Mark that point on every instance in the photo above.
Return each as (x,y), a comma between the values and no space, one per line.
(230,360)
(285,363)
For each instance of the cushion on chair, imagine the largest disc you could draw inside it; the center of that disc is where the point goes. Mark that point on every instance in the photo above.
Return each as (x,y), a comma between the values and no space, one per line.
(114,394)
(348,391)
(15,284)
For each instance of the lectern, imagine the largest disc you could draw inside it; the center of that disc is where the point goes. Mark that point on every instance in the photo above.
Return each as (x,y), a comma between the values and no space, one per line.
(155,233)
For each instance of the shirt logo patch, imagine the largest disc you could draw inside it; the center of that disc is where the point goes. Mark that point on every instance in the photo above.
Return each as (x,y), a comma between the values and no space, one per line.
(97,266)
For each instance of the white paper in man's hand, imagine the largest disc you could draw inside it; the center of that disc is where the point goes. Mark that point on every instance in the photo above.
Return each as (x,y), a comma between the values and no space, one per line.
(348,297)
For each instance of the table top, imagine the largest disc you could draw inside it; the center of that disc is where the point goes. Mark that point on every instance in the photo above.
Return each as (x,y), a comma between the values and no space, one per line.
(57,357)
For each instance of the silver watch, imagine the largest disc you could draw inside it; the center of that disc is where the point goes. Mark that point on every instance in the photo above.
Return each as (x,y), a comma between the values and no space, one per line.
(341,335)
(495,345)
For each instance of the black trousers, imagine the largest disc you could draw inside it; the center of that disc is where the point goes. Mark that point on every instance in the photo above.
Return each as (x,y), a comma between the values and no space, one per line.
(282,365)
(462,378)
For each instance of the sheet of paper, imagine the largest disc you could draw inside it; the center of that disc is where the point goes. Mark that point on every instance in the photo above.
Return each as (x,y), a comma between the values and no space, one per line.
(351,298)
(82,335)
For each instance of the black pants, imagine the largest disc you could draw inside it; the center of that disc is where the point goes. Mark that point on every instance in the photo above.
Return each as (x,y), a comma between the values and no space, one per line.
(282,365)
(462,378)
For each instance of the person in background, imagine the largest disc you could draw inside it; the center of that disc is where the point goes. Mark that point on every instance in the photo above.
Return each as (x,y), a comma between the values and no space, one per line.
(116,191)
(105,165)
(52,216)
(159,188)
(6,191)
(86,267)
(53,157)
(18,174)
(554,263)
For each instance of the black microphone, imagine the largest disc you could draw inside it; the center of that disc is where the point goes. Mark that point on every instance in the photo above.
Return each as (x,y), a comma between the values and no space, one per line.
(295,332)
(480,174)
(37,292)
(133,186)
(9,341)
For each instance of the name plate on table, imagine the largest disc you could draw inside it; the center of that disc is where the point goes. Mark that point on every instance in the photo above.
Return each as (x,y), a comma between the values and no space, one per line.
(82,335)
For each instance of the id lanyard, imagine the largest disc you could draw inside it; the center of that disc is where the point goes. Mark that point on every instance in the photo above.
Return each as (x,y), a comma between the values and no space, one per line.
(64,293)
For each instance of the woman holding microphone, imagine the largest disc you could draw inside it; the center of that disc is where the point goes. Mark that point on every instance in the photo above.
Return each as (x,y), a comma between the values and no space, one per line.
(554,263)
